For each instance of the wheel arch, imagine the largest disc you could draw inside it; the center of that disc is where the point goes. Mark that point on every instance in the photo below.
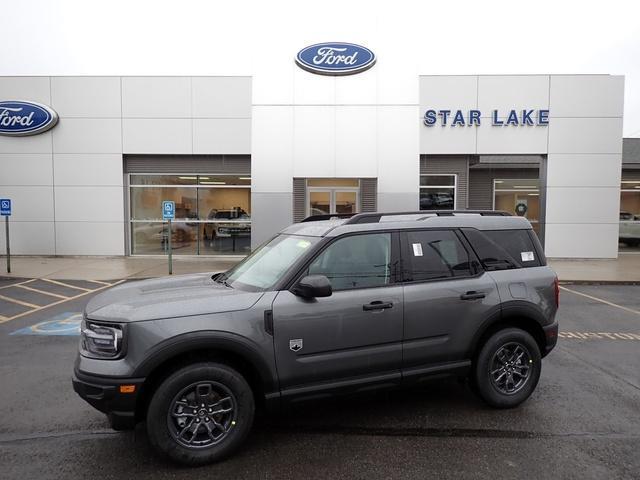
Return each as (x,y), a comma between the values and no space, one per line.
(524,317)
(206,347)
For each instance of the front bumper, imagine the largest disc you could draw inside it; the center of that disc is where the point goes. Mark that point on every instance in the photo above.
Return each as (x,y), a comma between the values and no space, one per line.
(551,337)
(104,395)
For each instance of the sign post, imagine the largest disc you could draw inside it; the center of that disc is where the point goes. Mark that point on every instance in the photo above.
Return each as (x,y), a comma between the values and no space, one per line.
(5,211)
(169,213)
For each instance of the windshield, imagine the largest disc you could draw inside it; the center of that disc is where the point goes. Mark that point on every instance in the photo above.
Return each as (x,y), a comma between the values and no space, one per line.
(263,268)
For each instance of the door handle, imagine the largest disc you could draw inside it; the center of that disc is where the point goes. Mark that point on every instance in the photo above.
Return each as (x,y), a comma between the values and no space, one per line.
(473,295)
(377,305)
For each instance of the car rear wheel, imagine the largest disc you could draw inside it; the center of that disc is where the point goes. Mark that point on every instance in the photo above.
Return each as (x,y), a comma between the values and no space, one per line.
(508,368)
(200,414)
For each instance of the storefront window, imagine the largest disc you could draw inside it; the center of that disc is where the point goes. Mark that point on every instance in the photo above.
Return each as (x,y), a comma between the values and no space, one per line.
(520,197)
(438,192)
(629,232)
(213,214)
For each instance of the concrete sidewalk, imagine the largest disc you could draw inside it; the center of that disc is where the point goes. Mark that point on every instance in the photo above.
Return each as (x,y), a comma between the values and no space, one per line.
(108,268)
(625,269)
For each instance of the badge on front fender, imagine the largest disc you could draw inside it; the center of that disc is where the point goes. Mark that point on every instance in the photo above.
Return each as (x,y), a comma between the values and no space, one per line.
(295,345)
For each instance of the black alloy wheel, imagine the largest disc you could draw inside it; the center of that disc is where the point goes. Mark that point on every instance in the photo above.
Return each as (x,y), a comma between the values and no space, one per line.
(507,368)
(202,414)
(510,368)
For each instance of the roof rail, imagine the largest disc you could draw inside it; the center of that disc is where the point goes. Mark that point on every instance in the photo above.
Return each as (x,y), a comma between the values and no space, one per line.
(375,217)
(328,216)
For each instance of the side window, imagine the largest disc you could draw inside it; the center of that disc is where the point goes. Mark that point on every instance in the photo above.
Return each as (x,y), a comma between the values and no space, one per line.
(503,249)
(436,254)
(356,261)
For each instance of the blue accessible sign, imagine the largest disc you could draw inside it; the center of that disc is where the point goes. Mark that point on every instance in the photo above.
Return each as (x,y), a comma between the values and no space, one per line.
(168,210)
(5,207)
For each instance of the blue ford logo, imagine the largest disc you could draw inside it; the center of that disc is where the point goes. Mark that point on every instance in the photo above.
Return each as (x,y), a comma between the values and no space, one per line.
(25,118)
(335,58)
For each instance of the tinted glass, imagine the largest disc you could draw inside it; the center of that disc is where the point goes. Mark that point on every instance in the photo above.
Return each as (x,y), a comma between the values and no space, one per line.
(437,198)
(436,254)
(503,249)
(265,267)
(358,261)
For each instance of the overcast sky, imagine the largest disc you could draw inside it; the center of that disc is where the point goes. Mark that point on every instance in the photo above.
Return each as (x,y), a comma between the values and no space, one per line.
(183,37)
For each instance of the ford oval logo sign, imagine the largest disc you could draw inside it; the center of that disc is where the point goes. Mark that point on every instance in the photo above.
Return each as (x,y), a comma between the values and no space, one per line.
(335,58)
(25,118)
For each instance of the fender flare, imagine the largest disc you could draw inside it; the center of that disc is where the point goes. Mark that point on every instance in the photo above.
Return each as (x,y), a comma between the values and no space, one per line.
(210,340)
(516,309)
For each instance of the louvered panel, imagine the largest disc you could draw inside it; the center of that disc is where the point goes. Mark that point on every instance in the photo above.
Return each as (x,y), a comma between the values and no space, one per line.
(368,194)
(299,199)
(630,174)
(192,164)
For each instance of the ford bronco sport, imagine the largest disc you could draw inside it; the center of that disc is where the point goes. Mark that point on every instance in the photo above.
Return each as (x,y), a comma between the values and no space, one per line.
(329,305)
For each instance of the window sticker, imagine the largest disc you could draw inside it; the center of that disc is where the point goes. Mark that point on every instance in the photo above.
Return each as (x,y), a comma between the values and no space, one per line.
(417,249)
(303,244)
(527,256)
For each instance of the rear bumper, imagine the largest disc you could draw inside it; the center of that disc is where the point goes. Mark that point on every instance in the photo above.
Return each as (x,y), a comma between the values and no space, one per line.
(551,337)
(104,395)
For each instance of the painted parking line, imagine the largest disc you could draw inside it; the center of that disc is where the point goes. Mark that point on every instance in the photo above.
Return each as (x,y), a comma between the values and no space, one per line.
(31,289)
(19,302)
(601,300)
(18,283)
(599,335)
(36,308)
(65,324)
(62,284)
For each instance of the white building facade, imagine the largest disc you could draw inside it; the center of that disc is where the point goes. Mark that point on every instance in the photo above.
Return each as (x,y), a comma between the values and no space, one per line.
(244,156)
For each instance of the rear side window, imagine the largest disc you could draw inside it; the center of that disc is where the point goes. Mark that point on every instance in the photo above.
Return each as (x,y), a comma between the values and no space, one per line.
(435,254)
(503,249)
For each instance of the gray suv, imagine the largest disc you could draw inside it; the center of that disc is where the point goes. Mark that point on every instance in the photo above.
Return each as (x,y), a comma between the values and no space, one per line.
(328,306)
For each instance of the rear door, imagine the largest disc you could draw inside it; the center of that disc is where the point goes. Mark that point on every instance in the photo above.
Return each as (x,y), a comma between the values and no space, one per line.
(353,337)
(447,297)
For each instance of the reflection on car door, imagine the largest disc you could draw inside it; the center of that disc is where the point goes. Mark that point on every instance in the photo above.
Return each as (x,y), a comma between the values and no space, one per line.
(446,297)
(355,334)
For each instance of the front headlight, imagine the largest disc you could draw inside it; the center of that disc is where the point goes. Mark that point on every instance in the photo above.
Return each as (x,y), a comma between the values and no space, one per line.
(100,340)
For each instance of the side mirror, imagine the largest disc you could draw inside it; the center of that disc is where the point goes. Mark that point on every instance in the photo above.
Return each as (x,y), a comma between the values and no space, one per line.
(313,286)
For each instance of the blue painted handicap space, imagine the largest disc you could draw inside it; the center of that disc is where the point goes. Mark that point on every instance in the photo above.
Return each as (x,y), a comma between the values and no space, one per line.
(67,323)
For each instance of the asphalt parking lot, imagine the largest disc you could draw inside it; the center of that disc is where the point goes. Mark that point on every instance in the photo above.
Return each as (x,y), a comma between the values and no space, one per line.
(583,421)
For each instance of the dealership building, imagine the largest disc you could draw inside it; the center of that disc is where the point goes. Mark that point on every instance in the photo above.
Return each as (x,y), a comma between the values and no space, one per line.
(244,156)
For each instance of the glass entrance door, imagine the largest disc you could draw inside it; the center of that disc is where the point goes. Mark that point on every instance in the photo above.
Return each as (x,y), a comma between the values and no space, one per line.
(346,201)
(320,202)
(331,196)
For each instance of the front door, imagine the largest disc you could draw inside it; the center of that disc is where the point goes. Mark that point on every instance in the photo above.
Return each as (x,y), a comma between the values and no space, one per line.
(352,337)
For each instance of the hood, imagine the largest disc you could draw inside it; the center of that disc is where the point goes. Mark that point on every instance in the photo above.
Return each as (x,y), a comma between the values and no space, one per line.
(168,297)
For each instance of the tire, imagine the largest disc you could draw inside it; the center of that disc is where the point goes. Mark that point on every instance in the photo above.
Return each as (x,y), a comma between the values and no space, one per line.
(498,357)
(223,390)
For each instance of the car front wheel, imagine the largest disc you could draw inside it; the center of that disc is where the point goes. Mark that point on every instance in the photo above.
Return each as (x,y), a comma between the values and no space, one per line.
(200,414)
(508,368)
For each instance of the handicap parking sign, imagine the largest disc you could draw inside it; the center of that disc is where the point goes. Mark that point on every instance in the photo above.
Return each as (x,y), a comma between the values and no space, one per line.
(5,207)
(168,210)
(67,324)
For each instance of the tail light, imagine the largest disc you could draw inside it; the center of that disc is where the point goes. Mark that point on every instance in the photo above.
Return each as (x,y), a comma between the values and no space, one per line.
(556,288)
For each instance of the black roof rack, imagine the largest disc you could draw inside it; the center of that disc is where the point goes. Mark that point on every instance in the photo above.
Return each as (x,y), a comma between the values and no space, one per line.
(317,218)
(354,218)
(375,217)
